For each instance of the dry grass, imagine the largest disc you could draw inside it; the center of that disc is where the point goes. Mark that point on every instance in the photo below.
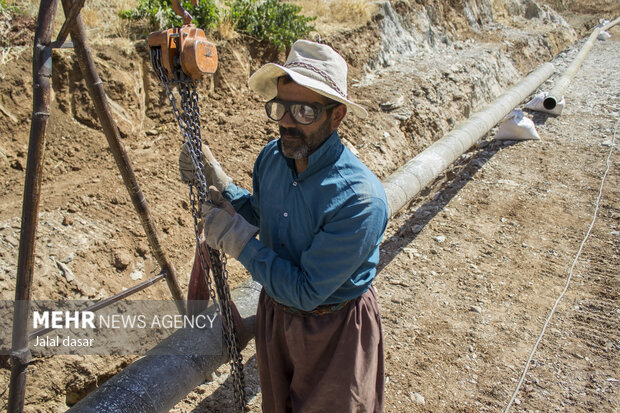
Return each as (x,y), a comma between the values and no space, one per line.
(226,29)
(102,22)
(335,15)
(100,17)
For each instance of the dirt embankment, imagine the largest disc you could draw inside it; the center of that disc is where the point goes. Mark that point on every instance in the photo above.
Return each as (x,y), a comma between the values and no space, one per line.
(457,57)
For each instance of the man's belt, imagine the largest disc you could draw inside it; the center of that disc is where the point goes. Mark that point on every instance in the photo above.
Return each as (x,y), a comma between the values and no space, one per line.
(317,312)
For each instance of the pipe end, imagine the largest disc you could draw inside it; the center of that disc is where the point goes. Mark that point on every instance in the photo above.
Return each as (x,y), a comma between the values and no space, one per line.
(550,102)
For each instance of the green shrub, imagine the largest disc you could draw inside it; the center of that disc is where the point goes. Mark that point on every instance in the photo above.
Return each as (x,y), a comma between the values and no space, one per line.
(273,21)
(161,15)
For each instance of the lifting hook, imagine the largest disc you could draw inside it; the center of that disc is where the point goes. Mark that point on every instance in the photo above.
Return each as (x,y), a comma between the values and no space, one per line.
(187,18)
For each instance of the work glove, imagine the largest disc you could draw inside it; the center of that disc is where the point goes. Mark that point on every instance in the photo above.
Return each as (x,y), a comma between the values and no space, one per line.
(223,228)
(212,170)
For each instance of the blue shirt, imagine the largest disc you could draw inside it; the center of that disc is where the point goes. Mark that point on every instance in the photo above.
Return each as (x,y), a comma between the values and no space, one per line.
(320,230)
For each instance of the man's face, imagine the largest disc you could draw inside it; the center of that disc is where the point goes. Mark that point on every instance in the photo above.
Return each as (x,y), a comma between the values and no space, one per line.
(299,141)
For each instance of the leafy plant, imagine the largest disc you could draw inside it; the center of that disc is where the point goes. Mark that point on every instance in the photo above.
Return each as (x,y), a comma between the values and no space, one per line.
(274,21)
(161,15)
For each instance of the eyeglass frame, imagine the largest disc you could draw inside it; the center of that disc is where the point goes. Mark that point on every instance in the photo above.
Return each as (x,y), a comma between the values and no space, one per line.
(318,109)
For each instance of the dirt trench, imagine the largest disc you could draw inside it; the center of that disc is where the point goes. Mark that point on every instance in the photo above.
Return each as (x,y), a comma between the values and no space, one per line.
(87,220)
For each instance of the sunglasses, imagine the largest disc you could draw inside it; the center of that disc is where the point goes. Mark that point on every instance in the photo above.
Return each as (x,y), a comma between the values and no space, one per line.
(302,113)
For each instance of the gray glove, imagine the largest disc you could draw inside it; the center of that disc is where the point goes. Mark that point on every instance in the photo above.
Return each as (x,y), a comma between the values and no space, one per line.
(223,228)
(212,170)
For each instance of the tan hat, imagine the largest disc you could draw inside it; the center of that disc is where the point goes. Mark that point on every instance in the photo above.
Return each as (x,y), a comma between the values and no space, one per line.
(313,65)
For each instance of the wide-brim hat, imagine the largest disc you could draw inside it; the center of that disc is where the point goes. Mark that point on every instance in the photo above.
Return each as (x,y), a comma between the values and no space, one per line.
(313,65)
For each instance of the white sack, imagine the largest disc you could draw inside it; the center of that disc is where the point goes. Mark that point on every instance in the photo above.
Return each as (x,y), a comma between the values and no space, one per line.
(537,104)
(516,126)
(603,35)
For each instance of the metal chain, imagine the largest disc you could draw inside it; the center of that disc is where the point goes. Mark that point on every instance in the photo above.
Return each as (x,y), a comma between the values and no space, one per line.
(189,124)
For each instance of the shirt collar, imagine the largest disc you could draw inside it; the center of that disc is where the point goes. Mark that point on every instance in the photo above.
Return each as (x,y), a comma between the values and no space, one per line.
(327,154)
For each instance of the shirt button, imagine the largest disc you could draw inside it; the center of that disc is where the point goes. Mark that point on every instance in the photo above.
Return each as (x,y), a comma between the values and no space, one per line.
(294,183)
(285,214)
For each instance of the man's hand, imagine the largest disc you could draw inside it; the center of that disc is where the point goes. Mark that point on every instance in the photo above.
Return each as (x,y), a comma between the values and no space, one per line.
(212,170)
(223,228)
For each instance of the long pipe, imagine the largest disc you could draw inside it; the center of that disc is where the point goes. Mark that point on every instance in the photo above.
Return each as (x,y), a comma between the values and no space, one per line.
(172,368)
(97,93)
(155,384)
(42,73)
(408,180)
(562,83)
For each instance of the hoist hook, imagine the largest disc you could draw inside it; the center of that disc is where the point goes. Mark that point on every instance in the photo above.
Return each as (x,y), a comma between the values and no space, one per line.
(187,18)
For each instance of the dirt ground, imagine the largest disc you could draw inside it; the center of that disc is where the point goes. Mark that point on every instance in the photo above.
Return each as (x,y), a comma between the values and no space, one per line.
(470,269)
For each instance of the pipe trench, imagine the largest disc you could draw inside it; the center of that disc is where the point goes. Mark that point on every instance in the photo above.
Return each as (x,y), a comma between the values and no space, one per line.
(557,93)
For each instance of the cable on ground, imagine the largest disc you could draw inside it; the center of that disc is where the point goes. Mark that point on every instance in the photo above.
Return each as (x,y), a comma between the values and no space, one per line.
(570,274)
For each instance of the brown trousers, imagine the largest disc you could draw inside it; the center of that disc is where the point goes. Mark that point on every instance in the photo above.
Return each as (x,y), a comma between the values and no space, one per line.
(328,363)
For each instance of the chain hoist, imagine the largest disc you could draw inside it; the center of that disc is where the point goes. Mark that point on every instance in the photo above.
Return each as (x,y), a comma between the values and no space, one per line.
(179,57)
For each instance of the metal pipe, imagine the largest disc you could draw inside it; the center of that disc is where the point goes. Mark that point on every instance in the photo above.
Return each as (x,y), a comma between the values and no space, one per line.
(169,371)
(408,180)
(97,94)
(104,303)
(557,93)
(42,73)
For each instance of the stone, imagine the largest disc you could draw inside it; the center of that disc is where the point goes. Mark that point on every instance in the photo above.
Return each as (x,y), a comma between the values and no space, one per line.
(121,260)
(142,249)
(417,398)
(440,238)
(11,240)
(17,164)
(533,11)
(67,220)
(66,271)
(137,274)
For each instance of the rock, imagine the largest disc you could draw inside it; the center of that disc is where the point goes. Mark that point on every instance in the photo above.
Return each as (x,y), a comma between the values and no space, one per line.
(513,7)
(121,260)
(11,240)
(417,398)
(440,238)
(137,274)
(17,164)
(66,271)
(475,309)
(69,258)
(67,220)
(391,105)
(142,249)
(533,11)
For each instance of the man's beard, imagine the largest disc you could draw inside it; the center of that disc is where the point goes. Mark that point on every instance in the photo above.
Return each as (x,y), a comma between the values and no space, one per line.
(304,145)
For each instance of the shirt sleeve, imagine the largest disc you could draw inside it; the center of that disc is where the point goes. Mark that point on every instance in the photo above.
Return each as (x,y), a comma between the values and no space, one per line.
(245,204)
(342,246)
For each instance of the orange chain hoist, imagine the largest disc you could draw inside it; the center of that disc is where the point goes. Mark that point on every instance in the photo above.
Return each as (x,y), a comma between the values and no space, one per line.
(186,48)
(180,56)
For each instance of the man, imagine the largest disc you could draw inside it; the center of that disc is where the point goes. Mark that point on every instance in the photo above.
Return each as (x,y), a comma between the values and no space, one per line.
(320,215)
